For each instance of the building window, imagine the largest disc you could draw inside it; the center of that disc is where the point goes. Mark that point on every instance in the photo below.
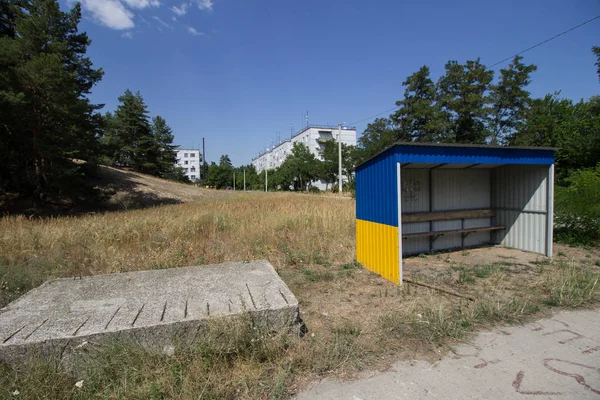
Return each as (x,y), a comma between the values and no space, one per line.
(192,154)
(192,176)
(185,154)
(193,169)
(185,169)
(185,162)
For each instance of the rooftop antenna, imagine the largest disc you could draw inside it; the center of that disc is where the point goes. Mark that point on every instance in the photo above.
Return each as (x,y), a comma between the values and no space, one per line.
(307,118)
(291,130)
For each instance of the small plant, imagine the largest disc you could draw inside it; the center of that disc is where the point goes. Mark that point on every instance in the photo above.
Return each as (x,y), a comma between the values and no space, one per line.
(317,276)
(561,254)
(570,286)
(464,276)
(350,266)
(597,263)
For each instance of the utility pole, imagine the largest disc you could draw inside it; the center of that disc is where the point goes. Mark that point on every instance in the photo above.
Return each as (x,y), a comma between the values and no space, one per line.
(203,157)
(244,180)
(266,180)
(340,158)
(234,181)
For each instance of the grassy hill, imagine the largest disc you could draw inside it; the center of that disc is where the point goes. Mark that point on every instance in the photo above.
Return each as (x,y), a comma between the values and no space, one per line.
(118,189)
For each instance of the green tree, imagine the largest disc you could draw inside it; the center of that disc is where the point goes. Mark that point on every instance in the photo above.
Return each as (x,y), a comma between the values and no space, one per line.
(329,167)
(419,117)
(572,127)
(163,155)
(596,51)
(378,135)
(462,96)
(46,119)
(301,166)
(510,101)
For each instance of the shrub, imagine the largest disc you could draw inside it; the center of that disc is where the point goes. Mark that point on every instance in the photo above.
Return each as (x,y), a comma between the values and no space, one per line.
(577,208)
(314,189)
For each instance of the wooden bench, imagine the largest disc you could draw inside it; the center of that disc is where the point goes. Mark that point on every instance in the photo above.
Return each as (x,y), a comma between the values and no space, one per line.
(448,216)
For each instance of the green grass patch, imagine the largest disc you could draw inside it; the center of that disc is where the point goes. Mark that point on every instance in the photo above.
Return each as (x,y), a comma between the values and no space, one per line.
(571,286)
(317,276)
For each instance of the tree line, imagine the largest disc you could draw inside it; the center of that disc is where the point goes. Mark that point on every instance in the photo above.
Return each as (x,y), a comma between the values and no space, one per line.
(464,105)
(51,135)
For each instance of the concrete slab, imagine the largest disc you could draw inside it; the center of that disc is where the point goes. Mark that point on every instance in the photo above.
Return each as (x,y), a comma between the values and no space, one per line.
(158,308)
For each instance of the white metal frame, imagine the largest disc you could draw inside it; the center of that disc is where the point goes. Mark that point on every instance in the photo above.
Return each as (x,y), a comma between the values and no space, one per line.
(399,177)
(550,211)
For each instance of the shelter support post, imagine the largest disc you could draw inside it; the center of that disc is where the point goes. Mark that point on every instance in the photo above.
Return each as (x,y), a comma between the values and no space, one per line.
(550,211)
(399,223)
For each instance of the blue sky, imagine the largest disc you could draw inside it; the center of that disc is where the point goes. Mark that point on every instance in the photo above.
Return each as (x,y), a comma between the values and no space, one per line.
(238,71)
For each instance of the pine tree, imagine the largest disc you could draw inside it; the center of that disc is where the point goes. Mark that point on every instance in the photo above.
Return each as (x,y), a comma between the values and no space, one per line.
(510,101)
(419,116)
(46,120)
(129,138)
(462,96)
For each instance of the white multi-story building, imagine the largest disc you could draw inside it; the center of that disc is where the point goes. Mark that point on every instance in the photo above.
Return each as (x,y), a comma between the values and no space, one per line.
(310,136)
(190,160)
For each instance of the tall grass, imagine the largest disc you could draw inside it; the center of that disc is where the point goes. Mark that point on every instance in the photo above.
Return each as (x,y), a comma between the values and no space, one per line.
(571,286)
(284,229)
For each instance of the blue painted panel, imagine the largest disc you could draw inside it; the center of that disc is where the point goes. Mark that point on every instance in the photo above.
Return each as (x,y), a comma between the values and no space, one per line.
(472,155)
(465,155)
(377,191)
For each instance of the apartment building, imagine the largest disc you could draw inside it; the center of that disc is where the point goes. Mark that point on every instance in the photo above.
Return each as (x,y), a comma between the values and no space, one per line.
(310,136)
(190,160)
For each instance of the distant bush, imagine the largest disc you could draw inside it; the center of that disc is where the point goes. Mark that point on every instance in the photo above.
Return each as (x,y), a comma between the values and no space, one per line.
(577,208)
(314,189)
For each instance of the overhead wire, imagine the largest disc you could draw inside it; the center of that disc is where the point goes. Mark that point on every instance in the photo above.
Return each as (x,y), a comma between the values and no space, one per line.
(499,62)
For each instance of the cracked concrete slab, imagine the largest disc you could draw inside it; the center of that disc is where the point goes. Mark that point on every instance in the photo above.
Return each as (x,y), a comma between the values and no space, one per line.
(157,308)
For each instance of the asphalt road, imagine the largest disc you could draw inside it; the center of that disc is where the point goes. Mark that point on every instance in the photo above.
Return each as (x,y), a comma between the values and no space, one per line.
(555,358)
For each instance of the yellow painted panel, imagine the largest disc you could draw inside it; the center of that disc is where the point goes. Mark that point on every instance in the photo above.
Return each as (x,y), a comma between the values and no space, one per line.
(377,248)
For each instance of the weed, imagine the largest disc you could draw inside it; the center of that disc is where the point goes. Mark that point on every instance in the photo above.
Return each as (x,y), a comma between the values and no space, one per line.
(350,266)
(597,263)
(317,276)
(570,286)
(464,275)
(562,254)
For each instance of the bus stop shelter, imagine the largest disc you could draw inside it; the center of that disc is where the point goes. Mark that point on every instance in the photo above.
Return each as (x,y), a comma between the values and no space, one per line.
(417,198)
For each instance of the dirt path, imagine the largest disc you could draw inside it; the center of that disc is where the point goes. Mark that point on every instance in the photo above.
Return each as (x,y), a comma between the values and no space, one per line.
(556,358)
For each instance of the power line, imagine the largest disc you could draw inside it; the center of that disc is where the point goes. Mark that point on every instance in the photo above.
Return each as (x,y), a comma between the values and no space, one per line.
(499,62)
(545,41)
(373,116)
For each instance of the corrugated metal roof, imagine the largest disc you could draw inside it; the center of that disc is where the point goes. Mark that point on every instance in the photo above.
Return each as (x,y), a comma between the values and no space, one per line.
(433,153)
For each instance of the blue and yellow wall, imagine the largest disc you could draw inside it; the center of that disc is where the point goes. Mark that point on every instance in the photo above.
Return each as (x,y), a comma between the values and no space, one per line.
(377,217)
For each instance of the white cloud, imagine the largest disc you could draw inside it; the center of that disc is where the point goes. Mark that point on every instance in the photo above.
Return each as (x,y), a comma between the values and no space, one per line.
(127,35)
(162,23)
(110,13)
(181,10)
(139,4)
(194,32)
(205,4)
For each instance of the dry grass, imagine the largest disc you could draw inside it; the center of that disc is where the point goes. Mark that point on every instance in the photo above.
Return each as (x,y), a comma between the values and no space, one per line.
(355,318)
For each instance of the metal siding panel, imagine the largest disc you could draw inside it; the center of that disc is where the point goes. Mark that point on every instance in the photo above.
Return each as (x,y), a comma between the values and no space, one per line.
(415,245)
(377,249)
(460,189)
(522,191)
(376,191)
(471,155)
(415,198)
